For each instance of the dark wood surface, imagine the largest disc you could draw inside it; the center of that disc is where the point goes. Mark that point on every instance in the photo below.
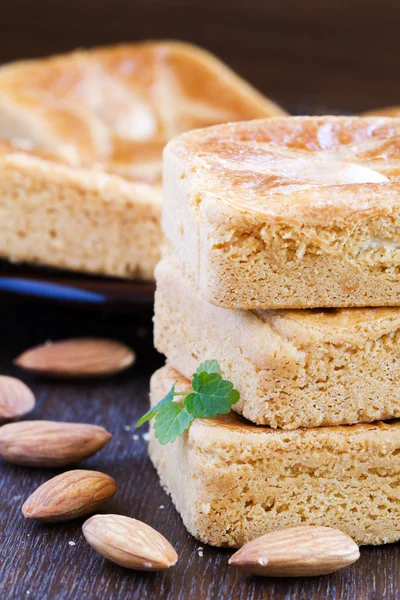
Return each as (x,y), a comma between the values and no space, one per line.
(36,560)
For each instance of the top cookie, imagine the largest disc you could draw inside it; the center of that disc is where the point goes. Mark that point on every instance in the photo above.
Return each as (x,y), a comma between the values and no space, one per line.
(288,212)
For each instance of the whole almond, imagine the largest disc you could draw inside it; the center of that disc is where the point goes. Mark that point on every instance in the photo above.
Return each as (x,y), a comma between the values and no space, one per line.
(70,495)
(297,551)
(81,357)
(16,399)
(129,543)
(50,443)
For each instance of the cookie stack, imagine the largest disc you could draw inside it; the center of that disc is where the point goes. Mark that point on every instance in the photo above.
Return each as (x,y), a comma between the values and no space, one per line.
(282,232)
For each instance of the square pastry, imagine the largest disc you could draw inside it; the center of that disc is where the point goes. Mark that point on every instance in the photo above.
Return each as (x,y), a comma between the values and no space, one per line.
(288,212)
(110,110)
(301,368)
(232,481)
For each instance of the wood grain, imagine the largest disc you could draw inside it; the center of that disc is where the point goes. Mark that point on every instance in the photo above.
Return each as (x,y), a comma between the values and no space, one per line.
(37,561)
(321,54)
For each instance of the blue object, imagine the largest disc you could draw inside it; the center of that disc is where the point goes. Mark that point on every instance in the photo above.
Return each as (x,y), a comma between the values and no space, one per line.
(49,290)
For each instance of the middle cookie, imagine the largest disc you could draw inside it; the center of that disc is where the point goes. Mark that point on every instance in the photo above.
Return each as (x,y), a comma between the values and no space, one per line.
(293,368)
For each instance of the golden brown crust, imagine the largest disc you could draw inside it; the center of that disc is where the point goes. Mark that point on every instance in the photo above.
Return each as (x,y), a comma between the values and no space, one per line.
(237,481)
(117,106)
(288,212)
(25,147)
(387,111)
(290,167)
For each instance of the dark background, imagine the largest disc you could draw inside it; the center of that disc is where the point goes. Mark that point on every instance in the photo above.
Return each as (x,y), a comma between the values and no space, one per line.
(308,55)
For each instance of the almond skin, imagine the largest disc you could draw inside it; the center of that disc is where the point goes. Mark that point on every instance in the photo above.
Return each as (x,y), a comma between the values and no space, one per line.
(70,495)
(297,552)
(50,443)
(77,358)
(16,399)
(129,543)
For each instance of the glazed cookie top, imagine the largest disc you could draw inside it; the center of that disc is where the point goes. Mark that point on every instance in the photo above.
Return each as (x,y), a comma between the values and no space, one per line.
(292,166)
(117,106)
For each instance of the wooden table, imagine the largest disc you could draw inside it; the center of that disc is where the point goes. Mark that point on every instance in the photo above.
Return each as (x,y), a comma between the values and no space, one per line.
(53,562)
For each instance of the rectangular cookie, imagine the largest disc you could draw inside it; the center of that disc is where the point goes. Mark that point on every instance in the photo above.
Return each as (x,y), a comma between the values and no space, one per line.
(288,212)
(110,110)
(55,214)
(292,368)
(232,481)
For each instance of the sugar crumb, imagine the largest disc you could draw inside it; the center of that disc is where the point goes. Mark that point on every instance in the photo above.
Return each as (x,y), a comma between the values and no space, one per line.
(71,543)
(146,436)
(161,506)
(127,427)
(135,437)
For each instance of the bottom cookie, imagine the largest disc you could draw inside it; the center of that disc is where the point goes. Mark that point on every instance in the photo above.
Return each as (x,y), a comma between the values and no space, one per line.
(232,481)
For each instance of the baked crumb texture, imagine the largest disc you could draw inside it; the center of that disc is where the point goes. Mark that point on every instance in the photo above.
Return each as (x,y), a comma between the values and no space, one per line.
(110,110)
(292,368)
(232,481)
(71,218)
(288,212)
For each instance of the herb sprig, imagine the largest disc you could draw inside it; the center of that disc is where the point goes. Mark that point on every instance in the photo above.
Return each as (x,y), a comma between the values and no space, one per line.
(210,396)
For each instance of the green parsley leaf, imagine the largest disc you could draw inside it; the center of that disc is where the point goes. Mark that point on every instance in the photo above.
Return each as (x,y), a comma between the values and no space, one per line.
(208,366)
(212,396)
(153,411)
(171,420)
